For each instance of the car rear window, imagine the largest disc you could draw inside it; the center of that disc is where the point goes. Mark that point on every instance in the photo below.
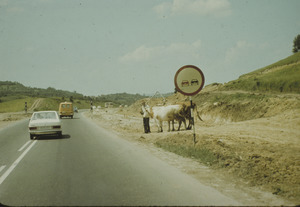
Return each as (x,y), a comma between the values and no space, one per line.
(44,115)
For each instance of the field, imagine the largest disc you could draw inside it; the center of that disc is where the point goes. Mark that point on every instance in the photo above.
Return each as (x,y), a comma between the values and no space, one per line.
(261,150)
(40,104)
(282,76)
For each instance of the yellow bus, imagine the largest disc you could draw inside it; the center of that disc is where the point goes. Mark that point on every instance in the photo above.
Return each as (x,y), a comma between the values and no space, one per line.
(66,109)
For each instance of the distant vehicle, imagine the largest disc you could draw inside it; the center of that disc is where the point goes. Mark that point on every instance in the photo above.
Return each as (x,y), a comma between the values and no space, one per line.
(76,109)
(194,82)
(45,123)
(66,109)
(185,83)
(109,105)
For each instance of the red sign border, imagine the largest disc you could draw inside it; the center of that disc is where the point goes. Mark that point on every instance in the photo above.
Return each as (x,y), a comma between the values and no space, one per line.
(182,68)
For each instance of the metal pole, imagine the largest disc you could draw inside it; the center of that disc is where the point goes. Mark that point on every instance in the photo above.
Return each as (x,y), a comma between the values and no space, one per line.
(193,120)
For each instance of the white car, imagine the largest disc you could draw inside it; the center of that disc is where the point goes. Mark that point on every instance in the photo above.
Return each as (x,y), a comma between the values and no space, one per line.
(45,123)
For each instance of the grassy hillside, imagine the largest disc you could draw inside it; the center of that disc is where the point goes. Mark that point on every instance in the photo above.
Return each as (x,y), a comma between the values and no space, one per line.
(13,96)
(53,103)
(15,105)
(282,76)
(11,90)
(120,98)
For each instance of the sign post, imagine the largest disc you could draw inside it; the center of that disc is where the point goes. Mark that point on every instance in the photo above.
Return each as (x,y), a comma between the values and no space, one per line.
(189,81)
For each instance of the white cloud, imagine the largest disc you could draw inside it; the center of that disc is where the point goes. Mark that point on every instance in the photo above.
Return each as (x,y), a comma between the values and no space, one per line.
(144,53)
(140,54)
(163,8)
(217,8)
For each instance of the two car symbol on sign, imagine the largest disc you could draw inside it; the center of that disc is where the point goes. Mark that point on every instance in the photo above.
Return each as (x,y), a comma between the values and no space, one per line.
(186,83)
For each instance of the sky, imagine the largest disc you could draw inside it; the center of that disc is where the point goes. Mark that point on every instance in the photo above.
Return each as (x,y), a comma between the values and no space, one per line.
(98,47)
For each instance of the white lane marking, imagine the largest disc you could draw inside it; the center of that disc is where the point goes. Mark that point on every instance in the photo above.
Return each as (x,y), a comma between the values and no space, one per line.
(2,167)
(11,168)
(24,146)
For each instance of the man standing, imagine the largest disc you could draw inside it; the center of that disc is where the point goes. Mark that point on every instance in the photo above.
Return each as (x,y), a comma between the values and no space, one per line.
(146,116)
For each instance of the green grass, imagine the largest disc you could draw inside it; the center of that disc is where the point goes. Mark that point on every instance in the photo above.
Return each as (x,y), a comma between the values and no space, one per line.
(16,105)
(287,61)
(53,104)
(285,77)
(226,98)
(49,104)
(202,154)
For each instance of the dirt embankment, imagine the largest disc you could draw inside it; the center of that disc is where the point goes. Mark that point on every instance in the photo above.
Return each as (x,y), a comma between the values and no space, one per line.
(257,143)
(8,118)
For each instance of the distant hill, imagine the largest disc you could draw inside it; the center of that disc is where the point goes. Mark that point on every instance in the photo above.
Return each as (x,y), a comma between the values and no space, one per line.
(13,90)
(120,98)
(282,76)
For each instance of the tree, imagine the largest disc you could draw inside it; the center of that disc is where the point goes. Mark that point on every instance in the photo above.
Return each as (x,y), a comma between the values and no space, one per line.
(296,44)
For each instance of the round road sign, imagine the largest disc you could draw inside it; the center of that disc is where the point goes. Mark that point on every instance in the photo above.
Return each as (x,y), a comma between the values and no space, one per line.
(189,80)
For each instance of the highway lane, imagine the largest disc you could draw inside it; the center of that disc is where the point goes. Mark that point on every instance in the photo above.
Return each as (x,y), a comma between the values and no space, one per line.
(90,166)
(12,138)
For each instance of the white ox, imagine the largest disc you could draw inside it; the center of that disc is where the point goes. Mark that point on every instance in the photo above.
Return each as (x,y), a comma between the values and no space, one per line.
(166,113)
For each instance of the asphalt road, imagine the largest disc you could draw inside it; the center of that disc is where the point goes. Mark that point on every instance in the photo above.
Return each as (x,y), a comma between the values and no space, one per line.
(90,166)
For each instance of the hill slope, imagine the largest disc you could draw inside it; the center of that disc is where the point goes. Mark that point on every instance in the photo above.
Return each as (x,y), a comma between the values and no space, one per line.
(282,76)
(13,95)
(12,90)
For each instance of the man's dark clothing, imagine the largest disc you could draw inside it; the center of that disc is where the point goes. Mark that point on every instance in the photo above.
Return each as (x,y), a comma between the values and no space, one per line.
(146,125)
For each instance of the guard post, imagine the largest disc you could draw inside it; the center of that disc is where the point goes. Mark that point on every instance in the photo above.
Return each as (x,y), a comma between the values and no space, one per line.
(189,81)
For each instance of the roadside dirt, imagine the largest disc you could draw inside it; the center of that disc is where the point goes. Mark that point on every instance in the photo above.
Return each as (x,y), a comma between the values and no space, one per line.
(9,118)
(259,157)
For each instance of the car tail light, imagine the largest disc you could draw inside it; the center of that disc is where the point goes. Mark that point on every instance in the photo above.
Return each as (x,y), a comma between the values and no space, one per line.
(32,128)
(56,127)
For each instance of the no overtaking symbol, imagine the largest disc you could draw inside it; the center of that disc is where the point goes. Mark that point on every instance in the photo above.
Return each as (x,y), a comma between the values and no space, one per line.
(189,80)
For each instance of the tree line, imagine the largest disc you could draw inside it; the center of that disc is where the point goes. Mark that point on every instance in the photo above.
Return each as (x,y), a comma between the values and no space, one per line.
(9,88)
(18,90)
